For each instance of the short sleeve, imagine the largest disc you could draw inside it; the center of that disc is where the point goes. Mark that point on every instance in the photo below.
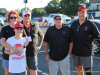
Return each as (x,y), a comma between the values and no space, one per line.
(95,31)
(3,32)
(40,33)
(46,37)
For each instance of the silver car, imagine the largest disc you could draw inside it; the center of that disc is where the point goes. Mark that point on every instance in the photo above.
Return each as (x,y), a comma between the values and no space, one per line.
(1,22)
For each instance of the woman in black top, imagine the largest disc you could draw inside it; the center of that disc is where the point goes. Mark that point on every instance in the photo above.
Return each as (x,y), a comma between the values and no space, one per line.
(7,32)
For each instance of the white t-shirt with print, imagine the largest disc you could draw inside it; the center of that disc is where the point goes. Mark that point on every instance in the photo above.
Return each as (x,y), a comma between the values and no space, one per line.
(17,62)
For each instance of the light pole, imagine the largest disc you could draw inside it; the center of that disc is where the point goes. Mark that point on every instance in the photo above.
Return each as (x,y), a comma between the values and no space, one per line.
(25,1)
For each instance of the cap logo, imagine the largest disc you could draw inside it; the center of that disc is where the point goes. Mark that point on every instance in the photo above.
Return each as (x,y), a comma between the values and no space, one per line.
(27,11)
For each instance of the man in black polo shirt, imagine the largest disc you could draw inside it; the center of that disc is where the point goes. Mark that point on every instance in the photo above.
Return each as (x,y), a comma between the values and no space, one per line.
(60,39)
(84,32)
(32,31)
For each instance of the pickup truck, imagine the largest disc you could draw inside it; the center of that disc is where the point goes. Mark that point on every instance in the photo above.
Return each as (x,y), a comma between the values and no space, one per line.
(50,19)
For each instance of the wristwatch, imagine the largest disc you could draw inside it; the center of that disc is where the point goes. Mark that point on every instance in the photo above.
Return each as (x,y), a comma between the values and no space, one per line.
(24,46)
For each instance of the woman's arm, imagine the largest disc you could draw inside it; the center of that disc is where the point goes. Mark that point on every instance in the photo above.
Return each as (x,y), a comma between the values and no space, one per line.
(9,53)
(6,45)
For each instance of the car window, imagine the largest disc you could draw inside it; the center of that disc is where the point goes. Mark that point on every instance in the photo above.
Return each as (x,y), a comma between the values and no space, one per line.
(52,16)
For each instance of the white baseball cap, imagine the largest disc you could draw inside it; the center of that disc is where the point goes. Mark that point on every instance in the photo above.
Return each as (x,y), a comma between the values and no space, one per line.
(26,12)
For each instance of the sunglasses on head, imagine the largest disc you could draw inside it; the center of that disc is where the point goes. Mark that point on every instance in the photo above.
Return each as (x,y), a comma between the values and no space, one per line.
(13,17)
(57,18)
(27,15)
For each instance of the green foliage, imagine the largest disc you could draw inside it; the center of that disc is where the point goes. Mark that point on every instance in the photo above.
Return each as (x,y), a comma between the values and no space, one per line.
(23,9)
(37,10)
(53,7)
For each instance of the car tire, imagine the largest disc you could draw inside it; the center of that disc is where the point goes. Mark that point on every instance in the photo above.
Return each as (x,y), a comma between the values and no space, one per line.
(1,24)
(96,46)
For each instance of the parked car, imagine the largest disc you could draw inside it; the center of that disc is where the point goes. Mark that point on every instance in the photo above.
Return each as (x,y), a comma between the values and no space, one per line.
(20,18)
(3,18)
(40,18)
(96,44)
(1,22)
(50,19)
(35,18)
(95,14)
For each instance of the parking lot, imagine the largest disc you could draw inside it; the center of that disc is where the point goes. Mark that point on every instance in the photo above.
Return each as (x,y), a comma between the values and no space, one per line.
(43,64)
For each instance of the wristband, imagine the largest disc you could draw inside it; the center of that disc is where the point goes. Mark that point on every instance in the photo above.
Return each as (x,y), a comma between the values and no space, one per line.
(26,60)
(24,46)
(46,53)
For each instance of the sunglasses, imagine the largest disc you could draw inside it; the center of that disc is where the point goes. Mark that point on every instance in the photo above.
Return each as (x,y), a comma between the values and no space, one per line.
(13,17)
(57,19)
(26,15)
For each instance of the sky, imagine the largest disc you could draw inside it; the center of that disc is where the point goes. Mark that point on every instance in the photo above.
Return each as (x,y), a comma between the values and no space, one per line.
(18,4)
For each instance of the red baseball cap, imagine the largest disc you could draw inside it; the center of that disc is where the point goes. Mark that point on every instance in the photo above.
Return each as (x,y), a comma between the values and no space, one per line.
(82,8)
(18,25)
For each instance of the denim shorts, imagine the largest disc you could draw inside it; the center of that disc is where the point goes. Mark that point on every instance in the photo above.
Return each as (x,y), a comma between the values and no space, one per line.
(5,63)
(32,63)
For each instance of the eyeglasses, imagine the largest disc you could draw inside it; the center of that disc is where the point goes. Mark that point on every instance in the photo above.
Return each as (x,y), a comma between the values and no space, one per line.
(13,17)
(57,19)
(27,15)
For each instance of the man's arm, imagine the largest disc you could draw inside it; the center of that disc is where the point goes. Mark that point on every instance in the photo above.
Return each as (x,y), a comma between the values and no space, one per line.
(70,48)
(46,51)
(40,42)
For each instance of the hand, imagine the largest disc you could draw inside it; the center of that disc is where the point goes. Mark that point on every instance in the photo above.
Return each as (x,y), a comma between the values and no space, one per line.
(19,50)
(13,52)
(47,57)
(70,53)
(26,67)
(38,48)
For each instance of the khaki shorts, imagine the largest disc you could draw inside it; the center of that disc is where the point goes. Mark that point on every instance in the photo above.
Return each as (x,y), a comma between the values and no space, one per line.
(63,64)
(87,62)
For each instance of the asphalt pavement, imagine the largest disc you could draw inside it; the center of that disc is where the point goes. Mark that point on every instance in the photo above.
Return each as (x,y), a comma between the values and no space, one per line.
(43,68)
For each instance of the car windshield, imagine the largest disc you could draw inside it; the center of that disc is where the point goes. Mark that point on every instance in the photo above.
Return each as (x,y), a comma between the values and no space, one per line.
(52,16)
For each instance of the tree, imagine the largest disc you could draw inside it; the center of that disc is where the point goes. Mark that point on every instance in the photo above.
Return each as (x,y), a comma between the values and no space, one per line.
(18,10)
(53,7)
(70,7)
(23,9)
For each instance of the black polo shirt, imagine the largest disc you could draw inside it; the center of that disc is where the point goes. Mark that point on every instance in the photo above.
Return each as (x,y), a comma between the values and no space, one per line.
(58,40)
(7,32)
(83,36)
(35,31)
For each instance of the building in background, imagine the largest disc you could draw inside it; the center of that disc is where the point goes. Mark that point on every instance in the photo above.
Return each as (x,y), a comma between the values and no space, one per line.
(94,5)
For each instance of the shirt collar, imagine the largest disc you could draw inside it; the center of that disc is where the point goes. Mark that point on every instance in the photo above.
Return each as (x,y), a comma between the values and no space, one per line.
(54,27)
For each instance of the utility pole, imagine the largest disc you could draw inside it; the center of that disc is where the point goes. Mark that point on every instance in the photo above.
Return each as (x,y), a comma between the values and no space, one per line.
(25,1)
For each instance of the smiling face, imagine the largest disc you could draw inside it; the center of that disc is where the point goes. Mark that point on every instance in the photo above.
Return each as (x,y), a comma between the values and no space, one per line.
(27,17)
(58,21)
(13,19)
(82,14)
(18,31)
